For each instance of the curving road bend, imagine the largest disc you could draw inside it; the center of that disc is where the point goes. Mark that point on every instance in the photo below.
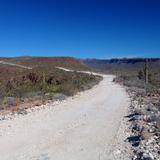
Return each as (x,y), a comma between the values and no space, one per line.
(81,128)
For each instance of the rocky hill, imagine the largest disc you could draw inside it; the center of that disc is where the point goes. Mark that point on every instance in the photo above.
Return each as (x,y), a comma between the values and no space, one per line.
(36,62)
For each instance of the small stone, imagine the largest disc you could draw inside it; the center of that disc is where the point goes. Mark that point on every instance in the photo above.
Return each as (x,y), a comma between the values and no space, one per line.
(151,130)
(151,156)
(118,152)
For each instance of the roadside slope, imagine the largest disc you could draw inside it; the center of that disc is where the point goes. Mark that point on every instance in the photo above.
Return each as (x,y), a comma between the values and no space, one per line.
(82,128)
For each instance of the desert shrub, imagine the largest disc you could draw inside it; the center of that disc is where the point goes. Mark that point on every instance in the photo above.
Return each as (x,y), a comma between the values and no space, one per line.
(68,89)
(138,81)
(50,88)
(141,75)
(44,81)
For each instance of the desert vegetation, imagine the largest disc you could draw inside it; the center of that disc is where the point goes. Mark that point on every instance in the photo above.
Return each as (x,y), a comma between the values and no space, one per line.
(41,83)
(130,72)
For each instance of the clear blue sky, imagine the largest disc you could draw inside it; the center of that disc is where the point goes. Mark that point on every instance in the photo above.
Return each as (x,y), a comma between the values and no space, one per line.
(80,28)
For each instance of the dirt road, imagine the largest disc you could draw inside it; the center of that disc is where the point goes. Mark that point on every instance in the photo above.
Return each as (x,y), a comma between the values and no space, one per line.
(81,128)
(14,64)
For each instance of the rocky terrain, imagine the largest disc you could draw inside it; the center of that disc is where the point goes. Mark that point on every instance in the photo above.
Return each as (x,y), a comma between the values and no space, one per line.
(139,134)
(144,125)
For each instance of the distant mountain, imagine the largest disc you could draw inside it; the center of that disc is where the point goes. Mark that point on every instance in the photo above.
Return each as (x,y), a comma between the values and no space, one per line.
(122,65)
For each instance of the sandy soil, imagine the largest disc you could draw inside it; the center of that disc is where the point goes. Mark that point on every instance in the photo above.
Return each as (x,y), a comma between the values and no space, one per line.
(83,127)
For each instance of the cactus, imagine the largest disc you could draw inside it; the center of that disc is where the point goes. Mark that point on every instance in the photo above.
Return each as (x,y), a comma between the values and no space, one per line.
(146,71)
